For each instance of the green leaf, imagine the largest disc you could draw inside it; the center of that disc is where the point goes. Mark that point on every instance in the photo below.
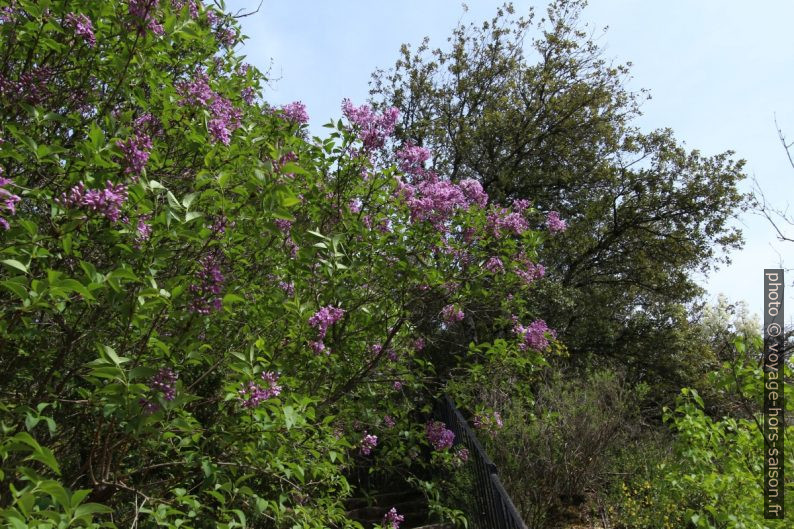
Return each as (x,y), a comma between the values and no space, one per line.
(230,299)
(75,286)
(290,416)
(18,289)
(16,264)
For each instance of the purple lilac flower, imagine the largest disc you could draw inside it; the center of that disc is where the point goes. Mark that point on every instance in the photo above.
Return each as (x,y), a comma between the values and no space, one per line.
(494,264)
(319,347)
(82,27)
(192,6)
(197,91)
(451,314)
(354,205)
(253,394)
(373,128)
(148,122)
(287,287)
(462,453)
(226,36)
(520,205)
(397,385)
(474,192)
(136,153)
(532,272)
(389,421)
(412,159)
(32,87)
(438,435)
(324,318)
(224,117)
(143,10)
(502,220)
(165,382)
(107,201)
(143,230)
(220,223)
(392,520)
(296,113)
(368,442)
(534,336)
(206,293)
(247,94)
(6,14)
(419,344)
(283,225)
(554,223)
(8,201)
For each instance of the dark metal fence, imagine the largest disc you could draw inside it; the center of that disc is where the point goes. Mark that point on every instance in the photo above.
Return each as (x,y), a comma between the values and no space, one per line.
(494,509)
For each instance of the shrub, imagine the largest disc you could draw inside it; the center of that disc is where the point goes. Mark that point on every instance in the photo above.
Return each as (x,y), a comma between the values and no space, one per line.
(206,314)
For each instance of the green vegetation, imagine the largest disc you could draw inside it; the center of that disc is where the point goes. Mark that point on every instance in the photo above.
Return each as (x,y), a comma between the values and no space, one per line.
(210,318)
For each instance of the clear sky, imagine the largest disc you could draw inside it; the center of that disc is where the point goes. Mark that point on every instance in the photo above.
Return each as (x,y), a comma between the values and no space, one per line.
(718,72)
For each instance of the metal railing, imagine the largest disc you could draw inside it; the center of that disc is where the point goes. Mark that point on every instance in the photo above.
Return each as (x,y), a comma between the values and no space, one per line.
(494,509)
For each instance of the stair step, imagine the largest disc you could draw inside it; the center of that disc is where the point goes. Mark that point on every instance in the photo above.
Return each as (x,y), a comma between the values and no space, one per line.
(386,499)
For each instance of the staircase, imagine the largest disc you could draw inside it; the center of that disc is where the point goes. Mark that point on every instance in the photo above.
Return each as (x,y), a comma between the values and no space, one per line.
(411,504)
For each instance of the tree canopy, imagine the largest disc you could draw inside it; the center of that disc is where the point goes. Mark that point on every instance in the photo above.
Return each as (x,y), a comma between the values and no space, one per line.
(534,111)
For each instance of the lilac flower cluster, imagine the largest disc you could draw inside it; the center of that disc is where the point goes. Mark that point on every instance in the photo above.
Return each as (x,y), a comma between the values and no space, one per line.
(355,205)
(206,294)
(438,435)
(503,220)
(318,347)
(197,91)
(192,6)
(224,117)
(226,35)
(253,394)
(295,112)
(494,265)
(6,14)
(534,336)
(451,314)
(411,159)
(287,287)
(143,230)
(419,344)
(373,128)
(462,454)
(247,94)
(147,122)
(554,223)
(136,152)
(143,10)
(389,421)
(106,201)
(473,191)
(8,200)
(530,271)
(32,87)
(82,27)
(368,442)
(163,381)
(392,520)
(324,318)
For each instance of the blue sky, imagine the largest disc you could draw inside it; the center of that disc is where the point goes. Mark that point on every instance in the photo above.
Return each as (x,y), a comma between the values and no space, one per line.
(718,72)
